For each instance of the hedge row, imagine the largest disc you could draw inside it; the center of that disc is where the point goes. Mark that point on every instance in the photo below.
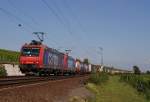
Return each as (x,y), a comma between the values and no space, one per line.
(140,82)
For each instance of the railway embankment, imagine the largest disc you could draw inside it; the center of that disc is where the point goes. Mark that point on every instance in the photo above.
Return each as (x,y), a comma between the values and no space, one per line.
(66,90)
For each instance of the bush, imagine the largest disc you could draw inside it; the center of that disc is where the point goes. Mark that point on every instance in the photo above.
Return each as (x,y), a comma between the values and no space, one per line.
(147,94)
(140,82)
(98,78)
(2,71)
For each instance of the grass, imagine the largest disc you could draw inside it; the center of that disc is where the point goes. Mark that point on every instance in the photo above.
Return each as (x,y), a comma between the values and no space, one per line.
(140,82)
(115,91)
(77,99)
(98,78)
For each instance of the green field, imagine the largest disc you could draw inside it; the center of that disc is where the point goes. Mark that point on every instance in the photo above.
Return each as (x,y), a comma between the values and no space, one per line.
(115,91)
(8,56)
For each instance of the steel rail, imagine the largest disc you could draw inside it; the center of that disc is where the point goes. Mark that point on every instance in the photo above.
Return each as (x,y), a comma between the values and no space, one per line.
(16,81)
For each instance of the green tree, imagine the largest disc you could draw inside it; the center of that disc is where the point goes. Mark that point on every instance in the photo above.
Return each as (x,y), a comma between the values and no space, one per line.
(86,61)
(136,70)
(147,72)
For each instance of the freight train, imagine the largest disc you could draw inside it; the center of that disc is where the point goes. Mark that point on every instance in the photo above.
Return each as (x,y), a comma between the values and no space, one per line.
(37,58)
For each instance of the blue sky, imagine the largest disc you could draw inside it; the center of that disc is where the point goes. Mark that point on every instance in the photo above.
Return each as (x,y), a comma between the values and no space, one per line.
(120,27)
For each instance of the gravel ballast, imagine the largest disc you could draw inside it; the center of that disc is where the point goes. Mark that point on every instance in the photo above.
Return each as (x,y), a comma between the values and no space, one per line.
(52,91)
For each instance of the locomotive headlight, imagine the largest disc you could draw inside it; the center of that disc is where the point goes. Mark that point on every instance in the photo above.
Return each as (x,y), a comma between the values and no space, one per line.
(37,62)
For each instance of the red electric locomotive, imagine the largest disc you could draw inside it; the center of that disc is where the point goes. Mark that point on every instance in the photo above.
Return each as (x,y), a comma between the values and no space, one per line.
(37,58)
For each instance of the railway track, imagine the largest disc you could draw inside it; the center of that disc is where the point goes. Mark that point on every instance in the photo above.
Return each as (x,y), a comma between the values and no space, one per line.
(22,80)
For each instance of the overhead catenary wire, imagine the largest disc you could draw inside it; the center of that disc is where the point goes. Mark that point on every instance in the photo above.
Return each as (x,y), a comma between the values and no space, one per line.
(66,21)
(75,43)
(57,16)
(74,15)
(16,18)
(61,14)
(63,19)
(15,21)
(76,18)
(22,12)
(26,14)
(53,11)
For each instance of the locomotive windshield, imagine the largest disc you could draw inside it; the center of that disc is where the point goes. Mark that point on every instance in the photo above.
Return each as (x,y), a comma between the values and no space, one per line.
(30,51)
